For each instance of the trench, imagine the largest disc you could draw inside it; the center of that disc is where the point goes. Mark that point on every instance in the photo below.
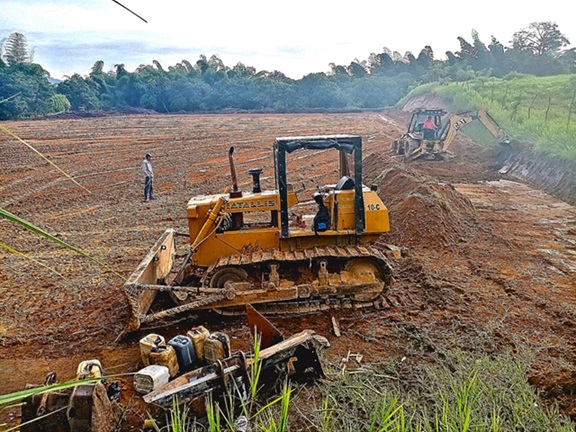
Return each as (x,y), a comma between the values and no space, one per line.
(556,177)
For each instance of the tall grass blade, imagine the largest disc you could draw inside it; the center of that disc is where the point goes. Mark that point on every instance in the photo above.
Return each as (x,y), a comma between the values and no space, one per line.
(10,97)
(178,417)
(212,415)
(15,252)
(326,416)
(256,366)
(64,173)
(31,227)
(14,397)
(283,421)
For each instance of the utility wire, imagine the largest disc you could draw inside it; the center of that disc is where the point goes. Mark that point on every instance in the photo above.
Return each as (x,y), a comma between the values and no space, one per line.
(132,12)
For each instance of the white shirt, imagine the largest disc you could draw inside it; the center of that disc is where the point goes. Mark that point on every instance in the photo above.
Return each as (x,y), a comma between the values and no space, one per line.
(147,168)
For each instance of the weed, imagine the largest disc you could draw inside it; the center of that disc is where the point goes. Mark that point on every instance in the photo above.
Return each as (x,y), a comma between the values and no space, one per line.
(460,393)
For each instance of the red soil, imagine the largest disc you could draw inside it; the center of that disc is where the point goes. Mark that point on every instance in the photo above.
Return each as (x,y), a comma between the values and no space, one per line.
(488,265)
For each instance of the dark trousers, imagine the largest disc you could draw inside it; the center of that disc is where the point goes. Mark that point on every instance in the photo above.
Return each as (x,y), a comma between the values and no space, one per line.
(148,188)
(429,134)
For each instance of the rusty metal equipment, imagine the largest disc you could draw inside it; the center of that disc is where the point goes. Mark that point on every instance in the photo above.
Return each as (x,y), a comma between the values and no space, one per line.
(295,357)
(88,407)
(268,333)
(242,247)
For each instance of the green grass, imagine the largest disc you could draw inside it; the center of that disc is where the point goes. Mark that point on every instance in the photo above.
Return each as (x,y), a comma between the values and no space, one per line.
(11,400)
(460,393)
(451,391)
(540,111)
(456,392)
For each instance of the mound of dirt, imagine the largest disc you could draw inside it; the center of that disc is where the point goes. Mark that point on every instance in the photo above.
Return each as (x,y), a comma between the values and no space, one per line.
(423,211)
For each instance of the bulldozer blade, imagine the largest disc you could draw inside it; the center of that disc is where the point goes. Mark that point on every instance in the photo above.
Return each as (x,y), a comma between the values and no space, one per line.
(269,335)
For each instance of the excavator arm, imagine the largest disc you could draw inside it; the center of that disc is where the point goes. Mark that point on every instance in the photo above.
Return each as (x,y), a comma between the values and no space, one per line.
(459,120)
(455,122)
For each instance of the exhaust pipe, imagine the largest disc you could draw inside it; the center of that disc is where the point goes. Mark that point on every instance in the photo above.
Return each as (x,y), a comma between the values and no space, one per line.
(237,218)
(234,191)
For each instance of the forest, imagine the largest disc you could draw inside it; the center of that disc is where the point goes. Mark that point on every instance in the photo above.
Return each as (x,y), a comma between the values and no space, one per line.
(208,85)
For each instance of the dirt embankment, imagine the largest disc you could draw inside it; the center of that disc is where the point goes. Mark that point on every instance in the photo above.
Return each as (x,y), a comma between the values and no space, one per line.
(425,211)
(554,176)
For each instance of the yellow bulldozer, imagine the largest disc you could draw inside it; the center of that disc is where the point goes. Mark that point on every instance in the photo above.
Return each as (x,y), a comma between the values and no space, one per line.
(253,247)
(432,143)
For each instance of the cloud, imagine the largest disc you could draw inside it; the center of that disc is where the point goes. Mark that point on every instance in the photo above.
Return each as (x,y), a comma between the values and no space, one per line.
(297,38)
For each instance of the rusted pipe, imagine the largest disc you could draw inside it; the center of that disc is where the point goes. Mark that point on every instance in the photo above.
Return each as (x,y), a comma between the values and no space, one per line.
(232,170)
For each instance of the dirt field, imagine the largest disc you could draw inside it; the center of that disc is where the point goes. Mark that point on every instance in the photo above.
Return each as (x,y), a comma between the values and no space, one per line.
(489,263)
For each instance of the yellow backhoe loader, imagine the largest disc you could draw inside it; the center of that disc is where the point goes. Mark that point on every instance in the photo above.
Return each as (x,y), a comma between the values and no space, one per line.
(251,247)
(433,143)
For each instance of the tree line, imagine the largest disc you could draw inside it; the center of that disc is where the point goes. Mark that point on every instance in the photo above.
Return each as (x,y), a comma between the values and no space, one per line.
(208,85)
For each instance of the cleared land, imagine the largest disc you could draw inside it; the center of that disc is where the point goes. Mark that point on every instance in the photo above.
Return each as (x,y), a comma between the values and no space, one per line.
(489,264)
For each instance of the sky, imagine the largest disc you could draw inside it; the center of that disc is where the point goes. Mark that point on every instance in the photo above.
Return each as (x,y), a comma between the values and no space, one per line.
(296,37)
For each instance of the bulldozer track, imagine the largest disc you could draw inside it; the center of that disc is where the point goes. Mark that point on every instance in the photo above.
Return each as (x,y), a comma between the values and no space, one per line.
(249,278)
(276,255)
(305,306)
(250,261)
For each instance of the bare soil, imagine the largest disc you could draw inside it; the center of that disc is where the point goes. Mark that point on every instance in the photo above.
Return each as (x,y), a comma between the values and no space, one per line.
(489,263)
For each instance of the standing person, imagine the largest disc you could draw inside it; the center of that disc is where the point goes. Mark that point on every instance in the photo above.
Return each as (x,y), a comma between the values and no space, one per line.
(148,178)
